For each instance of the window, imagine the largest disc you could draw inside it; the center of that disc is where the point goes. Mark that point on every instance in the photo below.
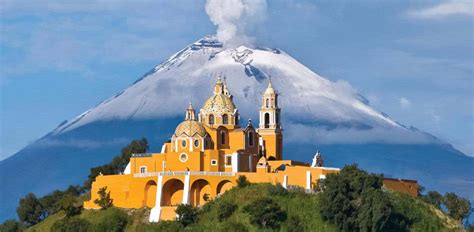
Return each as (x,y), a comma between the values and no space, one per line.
(228,160)
(267,120)
(267,103)
(143,169)
(183,157)
(214,162)
(183,143)
(250,138)
(211,119)
(222,137)
(196,143)
(236,120)
(225,119)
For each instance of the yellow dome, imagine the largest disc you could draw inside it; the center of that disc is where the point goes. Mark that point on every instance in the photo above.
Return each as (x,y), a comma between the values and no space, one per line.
(219,103)
(190,128)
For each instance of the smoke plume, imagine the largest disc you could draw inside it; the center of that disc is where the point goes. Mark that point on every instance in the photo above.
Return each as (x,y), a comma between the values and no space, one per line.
(235,19)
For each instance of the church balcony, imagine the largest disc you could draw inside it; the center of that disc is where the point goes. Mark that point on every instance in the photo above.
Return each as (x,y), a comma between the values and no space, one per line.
(182,173)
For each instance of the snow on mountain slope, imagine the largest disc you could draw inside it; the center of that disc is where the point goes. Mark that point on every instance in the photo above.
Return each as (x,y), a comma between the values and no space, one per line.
(306,96)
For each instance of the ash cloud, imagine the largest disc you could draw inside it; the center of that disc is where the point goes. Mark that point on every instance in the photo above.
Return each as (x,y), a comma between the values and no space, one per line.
(235,19)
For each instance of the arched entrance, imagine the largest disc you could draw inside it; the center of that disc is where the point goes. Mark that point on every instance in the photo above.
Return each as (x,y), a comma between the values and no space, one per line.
(224,186)
(198,189)
(172,193)
(150,194)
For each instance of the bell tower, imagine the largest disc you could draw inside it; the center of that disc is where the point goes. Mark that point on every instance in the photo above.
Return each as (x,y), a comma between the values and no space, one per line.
(270,125)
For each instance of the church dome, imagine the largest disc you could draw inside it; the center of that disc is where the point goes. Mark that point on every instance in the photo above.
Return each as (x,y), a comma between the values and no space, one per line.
(219,103)
(190,128)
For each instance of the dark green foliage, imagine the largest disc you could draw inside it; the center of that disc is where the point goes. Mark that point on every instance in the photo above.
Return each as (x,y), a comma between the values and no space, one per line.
(113,220)
(265,213)
(294,224)
(225,209)
(353,200)
(30,211)
(186,214)
(206,197)
(119,163)
(232,226)
(458,207)
(434,198)
(104,200)
(73,224)
(162,226)
(70,205)
(277,190)
(242,182)
(50,202)
(470,228)
(10,226)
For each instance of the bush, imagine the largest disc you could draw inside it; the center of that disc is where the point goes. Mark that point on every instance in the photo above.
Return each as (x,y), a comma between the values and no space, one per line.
(73,224)
(231,226)
(294,224)
(225,209)
(242,181)
(104,200)
(10,226)
(69,205)
(277,190)
(186,214)
(30,211)
(458,207)
(265,213)
(434,198)
(165,226)
(112,220)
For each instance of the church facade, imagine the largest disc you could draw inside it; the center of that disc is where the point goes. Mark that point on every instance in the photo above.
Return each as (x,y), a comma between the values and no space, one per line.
(204,157)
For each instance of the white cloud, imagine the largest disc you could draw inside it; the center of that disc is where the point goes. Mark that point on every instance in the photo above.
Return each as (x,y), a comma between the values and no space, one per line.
(446,9)
(405,103)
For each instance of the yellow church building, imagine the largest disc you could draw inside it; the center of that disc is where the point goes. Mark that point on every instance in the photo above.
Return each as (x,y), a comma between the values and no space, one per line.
(206,155)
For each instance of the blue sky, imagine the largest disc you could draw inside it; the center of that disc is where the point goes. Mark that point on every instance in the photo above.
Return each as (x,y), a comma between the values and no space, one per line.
(412,60)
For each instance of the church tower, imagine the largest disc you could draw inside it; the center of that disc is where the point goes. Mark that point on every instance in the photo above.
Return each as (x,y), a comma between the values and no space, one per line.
(270,126)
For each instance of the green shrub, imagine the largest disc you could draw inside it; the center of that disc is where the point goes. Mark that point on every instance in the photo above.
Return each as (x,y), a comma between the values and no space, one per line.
(232,226)
(69,205)
(225,209)
(186,214)
(294,224)
(277,190)
(265,213)
(10,226)
(104,200)
(111,220)
(242,181)
(162,226)
(74,224)
(434,198)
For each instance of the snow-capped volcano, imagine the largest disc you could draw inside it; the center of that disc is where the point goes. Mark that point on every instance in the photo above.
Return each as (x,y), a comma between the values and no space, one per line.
(316,114)
(306,96)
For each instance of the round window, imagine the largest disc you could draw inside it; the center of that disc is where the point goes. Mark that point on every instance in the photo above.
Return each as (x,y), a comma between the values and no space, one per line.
(196,143)
(183,157)
(183,143)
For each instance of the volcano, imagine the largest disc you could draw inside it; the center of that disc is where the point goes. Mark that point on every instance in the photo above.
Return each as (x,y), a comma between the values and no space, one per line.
(316,114)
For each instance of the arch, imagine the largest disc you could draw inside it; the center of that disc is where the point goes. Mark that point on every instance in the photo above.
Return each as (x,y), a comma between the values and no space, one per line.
(149,194)
(271,158)
(225,119)
(224,186)
(172,193)
(267,120)
(198,189)
(211,119)
(267,103)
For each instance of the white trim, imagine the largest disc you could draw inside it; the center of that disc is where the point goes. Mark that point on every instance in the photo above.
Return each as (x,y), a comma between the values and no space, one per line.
(235,162)
(191,144)
(202,144)
(326,168)
(186,189)
(214,160)
(308,180)
(285,181)
(155,213)
(183,161)
(321,177)
(140,169)
(128,169)
(163,149)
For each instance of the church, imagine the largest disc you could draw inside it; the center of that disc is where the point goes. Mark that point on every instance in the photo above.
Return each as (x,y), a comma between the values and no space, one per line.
(205,156)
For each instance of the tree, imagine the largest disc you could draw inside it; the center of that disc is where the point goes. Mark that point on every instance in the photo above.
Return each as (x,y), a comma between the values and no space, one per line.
(242,181)
(119,163)
(353,200)
(69,205)
(10,226)
(458,207)
(30,211)
(104,200)
(186,214)
(265,213)
(434,198)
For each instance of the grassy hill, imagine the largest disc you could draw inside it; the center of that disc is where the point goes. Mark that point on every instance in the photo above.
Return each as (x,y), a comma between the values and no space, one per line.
(302,211)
